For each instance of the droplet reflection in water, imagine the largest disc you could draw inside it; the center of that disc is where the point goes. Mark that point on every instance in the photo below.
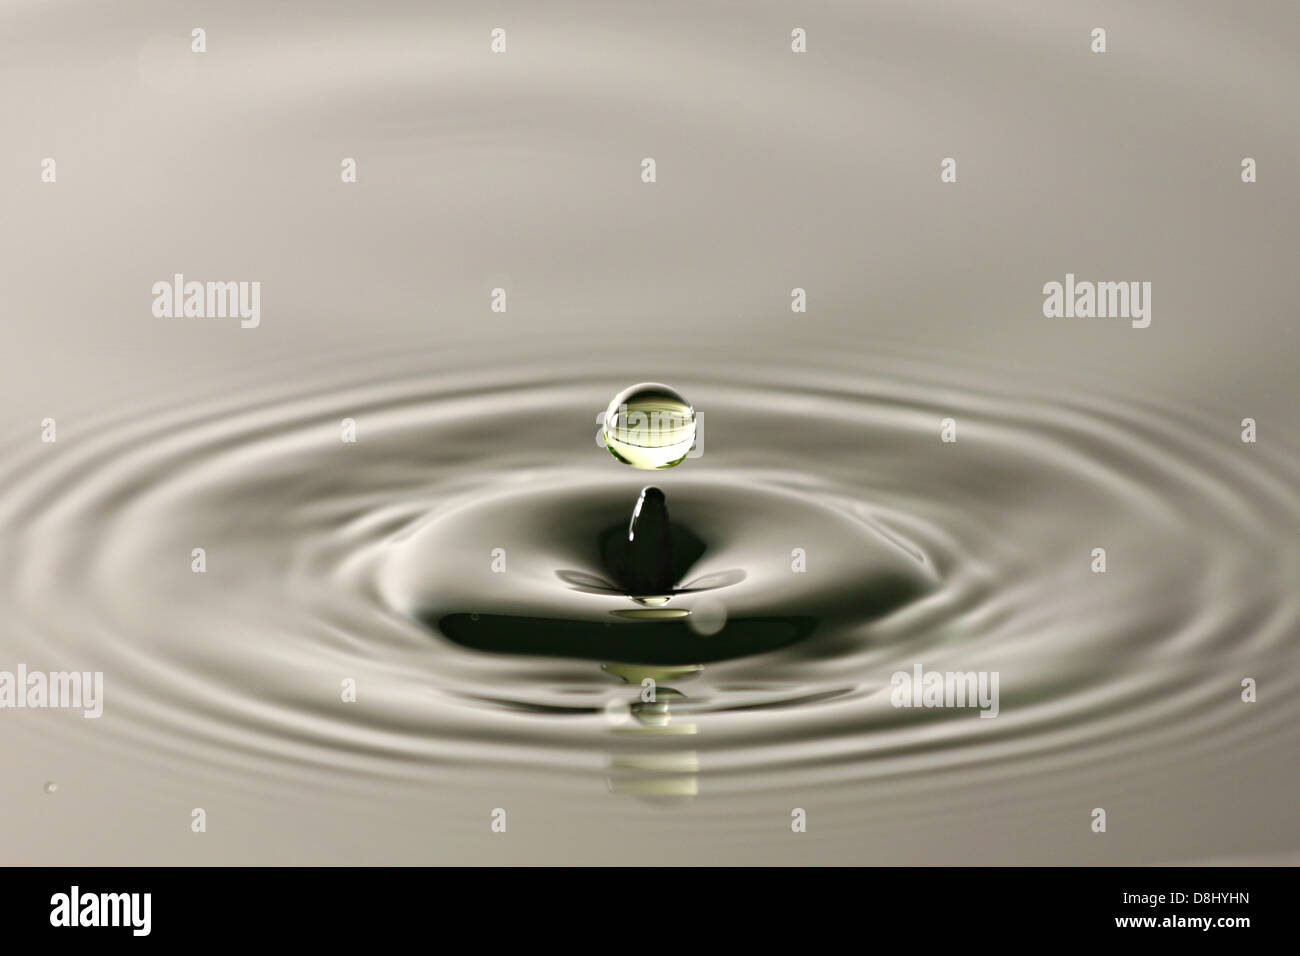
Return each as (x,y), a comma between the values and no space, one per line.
(649,426)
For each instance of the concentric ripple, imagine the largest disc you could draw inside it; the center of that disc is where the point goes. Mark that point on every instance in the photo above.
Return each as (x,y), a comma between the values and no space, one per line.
(373,562)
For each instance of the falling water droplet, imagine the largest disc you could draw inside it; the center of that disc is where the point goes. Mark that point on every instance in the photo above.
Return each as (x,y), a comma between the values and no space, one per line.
(51,786)
(649,426)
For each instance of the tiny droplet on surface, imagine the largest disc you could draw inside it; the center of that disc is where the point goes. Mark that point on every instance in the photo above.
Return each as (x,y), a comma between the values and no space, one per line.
(708,616)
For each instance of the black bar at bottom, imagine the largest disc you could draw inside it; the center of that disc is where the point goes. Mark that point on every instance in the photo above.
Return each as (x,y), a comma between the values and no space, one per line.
(330,906)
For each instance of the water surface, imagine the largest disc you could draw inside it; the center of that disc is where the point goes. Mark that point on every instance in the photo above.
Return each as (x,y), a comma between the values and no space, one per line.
(373,561)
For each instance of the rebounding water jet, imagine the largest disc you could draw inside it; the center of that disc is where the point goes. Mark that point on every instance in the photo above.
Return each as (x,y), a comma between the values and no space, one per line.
(643,563)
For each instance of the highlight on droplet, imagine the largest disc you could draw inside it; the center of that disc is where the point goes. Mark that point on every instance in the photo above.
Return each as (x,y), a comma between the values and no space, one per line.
(649,426)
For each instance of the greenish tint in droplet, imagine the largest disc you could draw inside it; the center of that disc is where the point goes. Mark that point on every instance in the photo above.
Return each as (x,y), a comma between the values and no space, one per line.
(51,786)
(651,613)
(649,426)
(660,674)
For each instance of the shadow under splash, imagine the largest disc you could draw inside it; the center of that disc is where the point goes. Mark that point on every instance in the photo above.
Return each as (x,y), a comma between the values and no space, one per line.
(668,642)
(672,618)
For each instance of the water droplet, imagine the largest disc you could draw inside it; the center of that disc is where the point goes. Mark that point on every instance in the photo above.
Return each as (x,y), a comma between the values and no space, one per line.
(649,426)
(617,713)
(51,786)
(708,616)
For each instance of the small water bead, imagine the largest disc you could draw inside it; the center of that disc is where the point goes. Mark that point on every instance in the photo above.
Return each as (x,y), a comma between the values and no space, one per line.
(649,426)
(708,616)
(618,712)
(51,786)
